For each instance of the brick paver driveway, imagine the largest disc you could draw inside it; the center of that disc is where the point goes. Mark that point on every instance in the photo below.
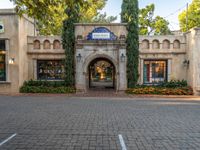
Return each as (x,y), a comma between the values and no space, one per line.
(59,122)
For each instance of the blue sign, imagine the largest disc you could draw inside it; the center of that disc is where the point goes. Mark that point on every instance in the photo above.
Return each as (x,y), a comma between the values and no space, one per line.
(101,33)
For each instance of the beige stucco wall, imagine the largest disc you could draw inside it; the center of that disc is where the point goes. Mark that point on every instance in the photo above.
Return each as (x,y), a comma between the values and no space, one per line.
(91,50)
(16,31)
(177,70)
(10,21)
(84,29)
(41,54)
(193,53)
(19,36)
(175,57)
(26,28)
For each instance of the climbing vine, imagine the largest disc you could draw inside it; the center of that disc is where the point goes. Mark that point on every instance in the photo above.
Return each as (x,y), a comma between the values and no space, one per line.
(129,15)
(68,39)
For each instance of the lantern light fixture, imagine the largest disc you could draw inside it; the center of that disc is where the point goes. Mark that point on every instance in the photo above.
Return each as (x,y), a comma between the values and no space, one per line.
(78,57)
(123,57)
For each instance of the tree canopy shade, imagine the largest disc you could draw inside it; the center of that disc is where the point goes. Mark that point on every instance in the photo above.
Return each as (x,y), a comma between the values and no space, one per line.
(193,16)
(129,15)
(150,25)
(50,14)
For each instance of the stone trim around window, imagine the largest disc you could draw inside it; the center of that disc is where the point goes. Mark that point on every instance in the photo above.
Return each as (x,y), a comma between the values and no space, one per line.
(155,71)
(50,70)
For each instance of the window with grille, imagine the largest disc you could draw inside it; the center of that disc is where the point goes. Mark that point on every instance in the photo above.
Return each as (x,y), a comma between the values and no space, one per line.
(50,69)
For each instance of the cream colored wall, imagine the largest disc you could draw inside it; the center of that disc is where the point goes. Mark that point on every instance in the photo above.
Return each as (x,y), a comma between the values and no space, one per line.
(19,43)
(42,54)
(10,21)
(26,28)
(90,50)
(193,53)
(84,29)
(175,57)
(16,31)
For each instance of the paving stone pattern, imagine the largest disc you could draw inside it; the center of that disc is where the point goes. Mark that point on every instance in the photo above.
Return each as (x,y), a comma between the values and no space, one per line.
(75,123)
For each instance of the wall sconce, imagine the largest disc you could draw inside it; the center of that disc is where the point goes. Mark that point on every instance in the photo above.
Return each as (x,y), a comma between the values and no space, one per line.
(123,57)
(11,61)
(78,57)
(186,62)
(79,37)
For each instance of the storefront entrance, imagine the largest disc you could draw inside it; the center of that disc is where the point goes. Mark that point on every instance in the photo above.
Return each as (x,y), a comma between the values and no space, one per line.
(101,74)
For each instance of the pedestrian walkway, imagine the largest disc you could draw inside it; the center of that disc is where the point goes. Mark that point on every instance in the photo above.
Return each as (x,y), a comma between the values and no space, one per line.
(110,93)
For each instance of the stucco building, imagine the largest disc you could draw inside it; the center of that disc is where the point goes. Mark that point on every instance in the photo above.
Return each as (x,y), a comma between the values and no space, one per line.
(100,56)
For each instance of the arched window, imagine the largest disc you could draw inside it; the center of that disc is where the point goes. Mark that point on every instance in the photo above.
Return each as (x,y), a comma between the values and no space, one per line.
(166,44)
(36,44)
(156,44)
(47,44)
(56,44)
(145,44)
(176,44)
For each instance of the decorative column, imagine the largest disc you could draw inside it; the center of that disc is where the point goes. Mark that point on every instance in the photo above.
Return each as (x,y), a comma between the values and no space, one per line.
(79,71)
(169,69)
(122,70)
(141,71)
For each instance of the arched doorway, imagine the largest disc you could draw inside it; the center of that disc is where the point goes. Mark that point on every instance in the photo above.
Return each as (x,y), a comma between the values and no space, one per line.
(101,74)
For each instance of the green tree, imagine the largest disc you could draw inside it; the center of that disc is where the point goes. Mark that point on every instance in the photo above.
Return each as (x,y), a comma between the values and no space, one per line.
(73,13)
(193,16)
(148,24)
(50,14)
(68,38)
(103,18)
(129,15)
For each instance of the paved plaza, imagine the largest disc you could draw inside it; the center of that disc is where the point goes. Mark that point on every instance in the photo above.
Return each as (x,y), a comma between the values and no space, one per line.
(75,123)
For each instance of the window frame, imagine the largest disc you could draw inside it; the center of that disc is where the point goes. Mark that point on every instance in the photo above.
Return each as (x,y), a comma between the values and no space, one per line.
(4,66)
(4,43)
(3,54)
(151,72)
(46,79)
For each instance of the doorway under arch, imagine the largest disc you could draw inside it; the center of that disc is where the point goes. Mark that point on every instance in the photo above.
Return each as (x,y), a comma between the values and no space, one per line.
(101,74)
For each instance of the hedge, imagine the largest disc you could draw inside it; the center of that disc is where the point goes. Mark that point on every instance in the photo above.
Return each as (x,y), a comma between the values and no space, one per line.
(46,87)
(174,84)
(174,87)
(161,91)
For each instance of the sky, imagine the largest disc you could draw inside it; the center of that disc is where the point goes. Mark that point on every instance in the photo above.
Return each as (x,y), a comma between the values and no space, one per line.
(164,8)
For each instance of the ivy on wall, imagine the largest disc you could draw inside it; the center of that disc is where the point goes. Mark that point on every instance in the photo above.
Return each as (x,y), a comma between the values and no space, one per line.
(68,39)
(129,15)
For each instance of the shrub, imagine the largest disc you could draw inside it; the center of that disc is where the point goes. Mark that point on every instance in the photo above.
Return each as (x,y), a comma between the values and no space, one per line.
(46,87)
(169,88)
(174,84)
(161,90)
(44,83)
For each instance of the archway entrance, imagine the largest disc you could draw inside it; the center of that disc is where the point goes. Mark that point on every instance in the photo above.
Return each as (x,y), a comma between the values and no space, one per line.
(101,74)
